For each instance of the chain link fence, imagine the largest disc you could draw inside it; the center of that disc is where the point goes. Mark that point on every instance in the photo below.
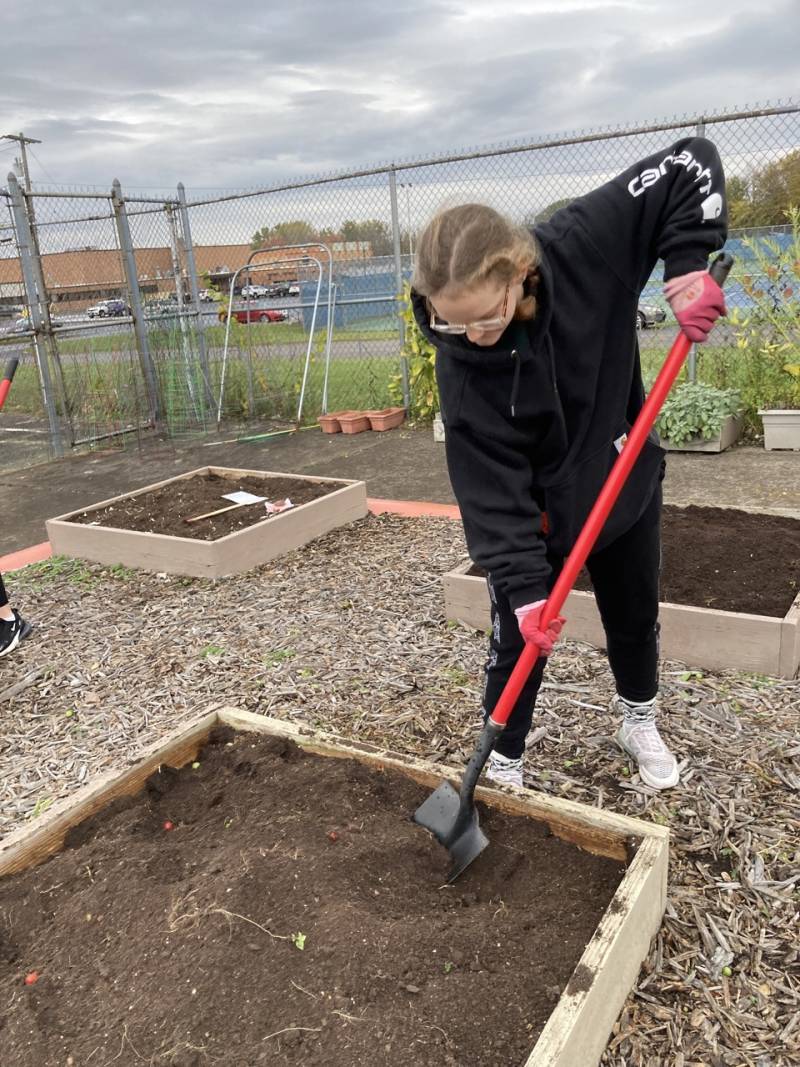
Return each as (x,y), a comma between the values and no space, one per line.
(259,309)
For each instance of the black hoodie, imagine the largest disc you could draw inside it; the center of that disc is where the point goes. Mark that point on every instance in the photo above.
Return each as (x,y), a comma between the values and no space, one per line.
(533,423)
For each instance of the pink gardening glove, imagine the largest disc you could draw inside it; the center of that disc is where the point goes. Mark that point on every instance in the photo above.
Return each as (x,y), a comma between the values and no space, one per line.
(696,301)
(529,617)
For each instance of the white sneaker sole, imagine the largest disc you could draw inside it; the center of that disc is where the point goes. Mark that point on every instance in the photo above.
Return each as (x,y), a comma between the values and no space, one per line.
(14,644)
(647,778)
(503,781)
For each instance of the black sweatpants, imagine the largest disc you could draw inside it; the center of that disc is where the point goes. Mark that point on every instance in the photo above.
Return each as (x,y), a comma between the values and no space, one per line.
(3,597)
(625,577)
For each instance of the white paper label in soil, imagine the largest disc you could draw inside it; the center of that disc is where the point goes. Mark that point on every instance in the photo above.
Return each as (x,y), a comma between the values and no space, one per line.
(240,497)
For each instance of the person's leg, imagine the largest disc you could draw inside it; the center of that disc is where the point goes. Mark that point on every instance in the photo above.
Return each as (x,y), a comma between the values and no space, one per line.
(625,576)
(13,628)
(505,646)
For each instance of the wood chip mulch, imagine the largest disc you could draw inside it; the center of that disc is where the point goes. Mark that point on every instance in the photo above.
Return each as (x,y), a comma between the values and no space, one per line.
(349,635)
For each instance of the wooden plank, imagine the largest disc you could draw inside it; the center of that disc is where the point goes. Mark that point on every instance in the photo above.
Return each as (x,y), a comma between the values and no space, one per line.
(580,1025)
(699,637)
(601,832)
(133,548)
(789,657)
(31,844)
(702,637)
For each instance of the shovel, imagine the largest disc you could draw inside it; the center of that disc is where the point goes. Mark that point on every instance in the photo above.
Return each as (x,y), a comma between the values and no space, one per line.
(450,816)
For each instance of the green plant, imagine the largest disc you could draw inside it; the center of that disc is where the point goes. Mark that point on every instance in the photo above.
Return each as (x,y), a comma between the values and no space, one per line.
(212,650)
(421,357)
(695,409)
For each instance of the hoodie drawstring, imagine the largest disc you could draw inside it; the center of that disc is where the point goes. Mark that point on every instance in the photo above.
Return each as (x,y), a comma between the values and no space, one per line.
(515,383)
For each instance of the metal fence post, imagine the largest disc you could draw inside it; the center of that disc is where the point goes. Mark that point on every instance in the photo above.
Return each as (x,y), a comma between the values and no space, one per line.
(194,289)
(33,296)
(398,274)
(132,278)
(691,359)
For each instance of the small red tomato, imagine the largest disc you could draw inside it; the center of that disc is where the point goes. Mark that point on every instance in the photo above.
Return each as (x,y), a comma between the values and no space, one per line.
(332,835)
(168,825)
(31,978)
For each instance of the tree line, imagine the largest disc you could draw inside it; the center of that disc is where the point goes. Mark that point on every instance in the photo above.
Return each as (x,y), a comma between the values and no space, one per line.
(373,232)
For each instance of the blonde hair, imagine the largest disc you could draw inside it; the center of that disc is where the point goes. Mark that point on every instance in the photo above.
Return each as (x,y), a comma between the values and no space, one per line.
(463,247)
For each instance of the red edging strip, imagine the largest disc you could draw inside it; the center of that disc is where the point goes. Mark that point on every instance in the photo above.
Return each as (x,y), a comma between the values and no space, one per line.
(411,509)
(34,554)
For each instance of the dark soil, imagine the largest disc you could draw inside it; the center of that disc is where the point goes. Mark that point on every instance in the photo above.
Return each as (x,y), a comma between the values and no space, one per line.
(292,915)
(726,559)
(163,510)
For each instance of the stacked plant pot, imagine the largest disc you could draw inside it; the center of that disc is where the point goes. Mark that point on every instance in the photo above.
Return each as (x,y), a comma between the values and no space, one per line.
(358,421)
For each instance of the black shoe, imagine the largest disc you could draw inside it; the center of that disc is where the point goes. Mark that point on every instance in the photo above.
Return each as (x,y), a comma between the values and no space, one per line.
(12,631)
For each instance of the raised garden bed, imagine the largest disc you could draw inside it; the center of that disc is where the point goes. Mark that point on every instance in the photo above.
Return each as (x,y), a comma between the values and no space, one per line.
(147,528)
(265,904)
(729,589)
(729,433)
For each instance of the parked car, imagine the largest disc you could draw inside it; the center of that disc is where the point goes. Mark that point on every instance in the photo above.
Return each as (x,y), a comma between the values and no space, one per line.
(294,290)
(108,308)
(649,315)
(23,325)
(248,315)
(249,291)
(206,297)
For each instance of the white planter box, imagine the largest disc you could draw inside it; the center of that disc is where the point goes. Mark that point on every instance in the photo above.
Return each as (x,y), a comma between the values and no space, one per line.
(730,431)
(580,1025)
(699,637)
(781,428)
(232,554)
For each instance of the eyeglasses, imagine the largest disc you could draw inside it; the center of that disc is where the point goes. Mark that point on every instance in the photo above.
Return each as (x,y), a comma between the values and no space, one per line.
(482,325)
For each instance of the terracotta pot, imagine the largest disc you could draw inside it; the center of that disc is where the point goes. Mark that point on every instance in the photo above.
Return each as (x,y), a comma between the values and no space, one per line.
(386,418)
(354,421)
(330,423)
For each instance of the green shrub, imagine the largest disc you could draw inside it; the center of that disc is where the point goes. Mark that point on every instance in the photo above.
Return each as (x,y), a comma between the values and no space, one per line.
(694,409)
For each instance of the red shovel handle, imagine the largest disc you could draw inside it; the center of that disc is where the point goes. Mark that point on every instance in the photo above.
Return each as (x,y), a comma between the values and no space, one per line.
(603,505)
(8,377)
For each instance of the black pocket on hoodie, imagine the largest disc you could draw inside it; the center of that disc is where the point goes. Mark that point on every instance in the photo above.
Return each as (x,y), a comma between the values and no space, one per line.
(568,504)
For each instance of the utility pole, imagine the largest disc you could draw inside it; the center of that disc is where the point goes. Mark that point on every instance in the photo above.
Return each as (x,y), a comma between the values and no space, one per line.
(22,140)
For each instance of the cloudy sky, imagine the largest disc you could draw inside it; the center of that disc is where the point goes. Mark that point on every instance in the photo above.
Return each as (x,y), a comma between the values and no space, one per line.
(241,95)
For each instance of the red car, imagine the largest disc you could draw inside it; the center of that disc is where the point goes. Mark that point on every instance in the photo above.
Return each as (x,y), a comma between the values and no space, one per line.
(247,315)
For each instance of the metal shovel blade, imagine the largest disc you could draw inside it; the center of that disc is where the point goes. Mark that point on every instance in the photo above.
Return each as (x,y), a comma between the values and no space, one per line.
(455,825)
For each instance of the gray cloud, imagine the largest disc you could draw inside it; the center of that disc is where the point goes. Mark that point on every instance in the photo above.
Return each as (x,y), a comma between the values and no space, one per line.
(238,96)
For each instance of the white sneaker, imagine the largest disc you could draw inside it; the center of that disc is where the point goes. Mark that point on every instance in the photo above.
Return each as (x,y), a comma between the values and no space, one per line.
(642,741)
(504,771)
